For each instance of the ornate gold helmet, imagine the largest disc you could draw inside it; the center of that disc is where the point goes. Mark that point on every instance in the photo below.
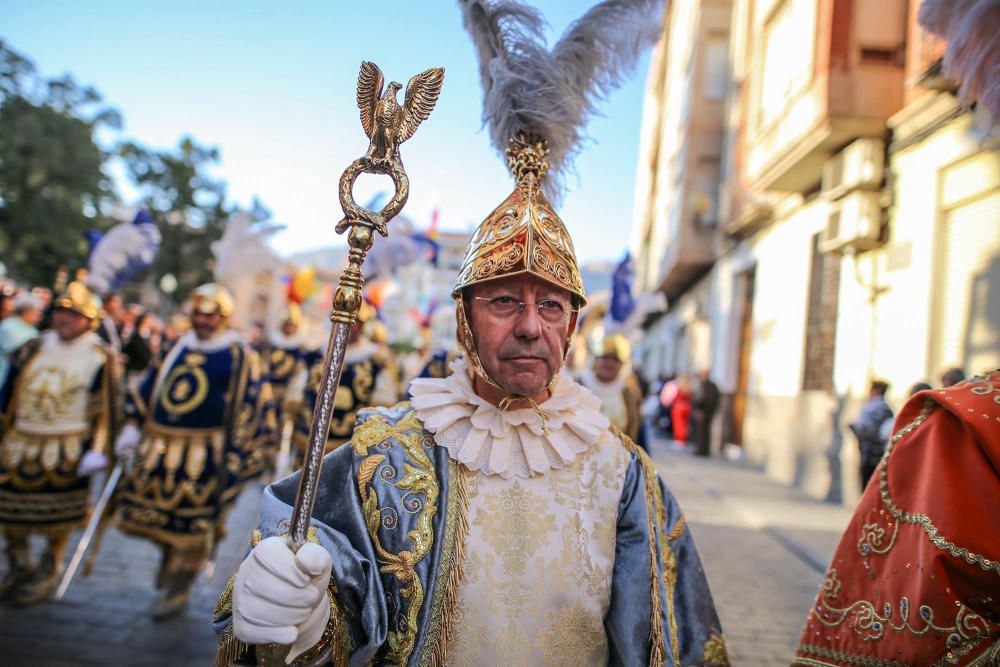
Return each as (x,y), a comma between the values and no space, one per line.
(292,314)
(617,346)
(523,234)
(79,299)
(212,298)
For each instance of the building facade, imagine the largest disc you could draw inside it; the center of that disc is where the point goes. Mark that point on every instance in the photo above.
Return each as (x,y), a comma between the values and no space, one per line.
(857,234)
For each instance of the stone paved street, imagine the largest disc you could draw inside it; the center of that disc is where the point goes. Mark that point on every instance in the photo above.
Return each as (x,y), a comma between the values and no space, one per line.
(105,618)
(763,546)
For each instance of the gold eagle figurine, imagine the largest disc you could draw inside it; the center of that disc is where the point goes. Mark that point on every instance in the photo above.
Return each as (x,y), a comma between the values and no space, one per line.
(385,122)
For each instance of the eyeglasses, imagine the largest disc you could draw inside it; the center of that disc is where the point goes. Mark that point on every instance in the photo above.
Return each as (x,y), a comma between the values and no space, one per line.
(503,307)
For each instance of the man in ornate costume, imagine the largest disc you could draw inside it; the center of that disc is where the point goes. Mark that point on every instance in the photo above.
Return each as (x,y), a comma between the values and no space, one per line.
(199,425)
(497,517)
(612,381)
(916,577)
(58,406)
(369,378)
(282,356)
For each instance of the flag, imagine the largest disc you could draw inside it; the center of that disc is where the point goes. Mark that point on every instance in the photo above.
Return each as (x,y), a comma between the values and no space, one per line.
(622,302)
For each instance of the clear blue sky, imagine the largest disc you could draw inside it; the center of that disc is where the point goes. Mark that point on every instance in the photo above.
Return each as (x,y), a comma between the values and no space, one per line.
(272,85)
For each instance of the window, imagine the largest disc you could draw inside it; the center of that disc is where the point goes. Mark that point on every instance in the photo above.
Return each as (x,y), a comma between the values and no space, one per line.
(821,319)
(788,56)
(716,69)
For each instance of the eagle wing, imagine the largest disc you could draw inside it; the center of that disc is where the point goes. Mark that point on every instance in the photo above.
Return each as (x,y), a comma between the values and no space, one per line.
(421,94)
(369,91)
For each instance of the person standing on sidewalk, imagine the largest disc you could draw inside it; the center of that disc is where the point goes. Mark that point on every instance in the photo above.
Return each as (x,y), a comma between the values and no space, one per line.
(680,411)
(704,402)
(199,425)
(915,579)
(869,429)
(59,409)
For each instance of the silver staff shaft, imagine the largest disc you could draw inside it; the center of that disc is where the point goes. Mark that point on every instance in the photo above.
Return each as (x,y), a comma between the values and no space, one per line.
(312,463)
(96,516)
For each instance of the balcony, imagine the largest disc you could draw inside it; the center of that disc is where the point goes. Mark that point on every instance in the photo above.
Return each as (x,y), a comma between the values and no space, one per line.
(844,80)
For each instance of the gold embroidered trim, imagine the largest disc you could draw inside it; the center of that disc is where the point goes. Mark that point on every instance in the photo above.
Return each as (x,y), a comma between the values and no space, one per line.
(923,520)
(656,516)
(715,653)
(842,657)
(677,530)
(419,477)
(456,529)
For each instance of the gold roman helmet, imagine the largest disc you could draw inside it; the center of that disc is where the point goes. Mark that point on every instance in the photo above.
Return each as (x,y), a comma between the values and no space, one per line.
(522,235)
(212,298)
(292,314)
(617,346)
(79,299)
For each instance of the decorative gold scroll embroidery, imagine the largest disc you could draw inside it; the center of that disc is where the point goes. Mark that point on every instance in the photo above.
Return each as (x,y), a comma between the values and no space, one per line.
(419,477)
(923,520)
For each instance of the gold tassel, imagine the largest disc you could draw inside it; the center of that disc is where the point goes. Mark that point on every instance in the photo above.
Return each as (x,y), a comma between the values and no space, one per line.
(443,613)
(656,514)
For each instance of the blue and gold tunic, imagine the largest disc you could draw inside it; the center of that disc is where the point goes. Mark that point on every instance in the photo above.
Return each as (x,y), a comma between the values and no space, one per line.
(206,414)
(369,378)
(58,403)
(282,358)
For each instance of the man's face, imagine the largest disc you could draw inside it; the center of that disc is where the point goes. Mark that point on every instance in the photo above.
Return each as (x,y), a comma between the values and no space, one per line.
(607,368)
(69,325)
(520,351)
(205,324)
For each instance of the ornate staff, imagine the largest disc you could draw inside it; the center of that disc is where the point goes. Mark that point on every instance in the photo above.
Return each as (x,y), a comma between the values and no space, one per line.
(387,125)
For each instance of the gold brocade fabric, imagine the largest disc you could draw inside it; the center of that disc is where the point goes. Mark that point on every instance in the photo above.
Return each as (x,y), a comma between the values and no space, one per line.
(538,562)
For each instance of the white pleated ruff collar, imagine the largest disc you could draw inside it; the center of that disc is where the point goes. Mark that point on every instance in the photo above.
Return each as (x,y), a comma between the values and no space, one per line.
(512,443)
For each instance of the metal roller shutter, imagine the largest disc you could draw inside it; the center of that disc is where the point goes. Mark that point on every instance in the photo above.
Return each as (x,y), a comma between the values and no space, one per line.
(970,303)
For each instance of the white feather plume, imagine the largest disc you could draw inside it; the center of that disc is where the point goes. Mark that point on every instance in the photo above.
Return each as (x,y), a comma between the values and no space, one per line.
(125,250)
(971,29)
(554,93)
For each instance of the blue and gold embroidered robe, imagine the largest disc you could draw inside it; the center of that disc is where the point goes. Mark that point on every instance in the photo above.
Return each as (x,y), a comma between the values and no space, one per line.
(281,360)
(369,378)
(206,415)
(58,403)
(392,510)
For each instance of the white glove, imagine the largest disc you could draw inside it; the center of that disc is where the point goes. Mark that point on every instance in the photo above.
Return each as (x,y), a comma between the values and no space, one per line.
(280,597)
(128,440)
(90,463)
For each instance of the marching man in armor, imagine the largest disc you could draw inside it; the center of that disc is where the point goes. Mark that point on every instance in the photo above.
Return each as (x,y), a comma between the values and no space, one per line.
(198,426)
(58,407)
(370,377)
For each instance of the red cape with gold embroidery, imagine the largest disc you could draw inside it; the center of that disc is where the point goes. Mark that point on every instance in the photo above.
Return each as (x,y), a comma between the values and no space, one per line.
(915,579)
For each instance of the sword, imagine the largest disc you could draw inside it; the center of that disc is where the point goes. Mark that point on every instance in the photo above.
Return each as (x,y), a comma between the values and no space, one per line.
(387,125)
(88,534)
